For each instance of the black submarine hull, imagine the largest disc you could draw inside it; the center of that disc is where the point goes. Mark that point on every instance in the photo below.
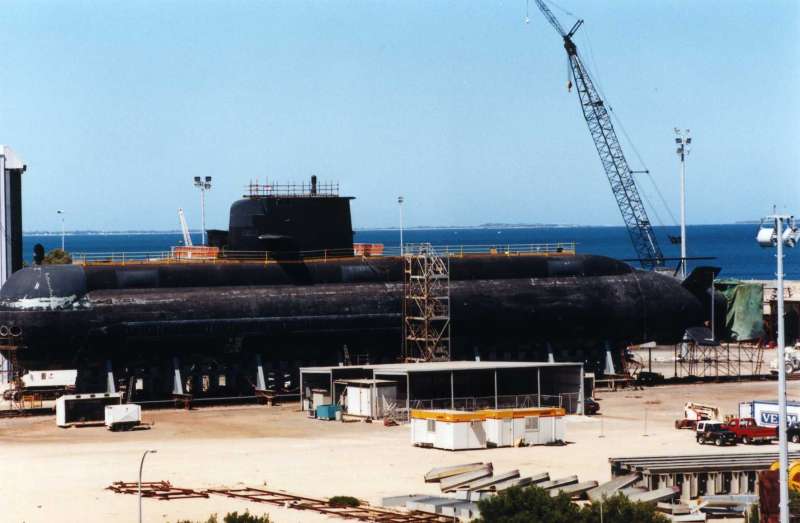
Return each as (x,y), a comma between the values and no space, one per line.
(302,312)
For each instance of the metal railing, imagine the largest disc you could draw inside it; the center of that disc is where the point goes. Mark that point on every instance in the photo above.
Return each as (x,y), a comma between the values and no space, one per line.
(304,189)
(492,248)
(174,255)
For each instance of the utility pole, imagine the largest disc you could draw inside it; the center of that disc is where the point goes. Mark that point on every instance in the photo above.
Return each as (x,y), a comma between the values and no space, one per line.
(400,201)
(776,236)
(61,213)
(203,185)
(141,466)
(683,141)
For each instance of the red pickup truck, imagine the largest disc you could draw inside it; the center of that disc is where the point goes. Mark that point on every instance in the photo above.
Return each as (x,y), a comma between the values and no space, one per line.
(748,432)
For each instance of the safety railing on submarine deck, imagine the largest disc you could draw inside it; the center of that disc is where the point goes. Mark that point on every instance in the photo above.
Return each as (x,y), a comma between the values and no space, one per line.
(485,248)
(201,254)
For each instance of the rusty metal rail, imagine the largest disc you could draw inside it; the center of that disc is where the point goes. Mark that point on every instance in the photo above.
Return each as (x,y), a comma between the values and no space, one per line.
(164,490)
(363,512)
(156,489)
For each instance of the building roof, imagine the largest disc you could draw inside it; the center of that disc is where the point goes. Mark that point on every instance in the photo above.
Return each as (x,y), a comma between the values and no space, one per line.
(366,381)
(442,366)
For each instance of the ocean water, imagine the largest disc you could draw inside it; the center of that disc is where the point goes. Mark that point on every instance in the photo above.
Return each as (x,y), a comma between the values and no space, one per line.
(733,247)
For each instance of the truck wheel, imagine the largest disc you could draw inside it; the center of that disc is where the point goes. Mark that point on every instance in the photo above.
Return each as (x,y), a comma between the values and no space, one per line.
(699,440)
(718,442)
(746,440)
(795,438)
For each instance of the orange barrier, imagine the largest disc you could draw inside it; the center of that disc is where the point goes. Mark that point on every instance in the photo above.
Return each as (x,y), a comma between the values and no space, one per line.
(198,252)
(368,249)
(481,415)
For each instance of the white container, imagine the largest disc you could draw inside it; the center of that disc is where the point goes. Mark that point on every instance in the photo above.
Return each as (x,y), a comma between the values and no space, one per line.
(77,409)
(49,378)
(123,416)
(370,398)
(320,397)
(765,412)
(449,430)
(536,426)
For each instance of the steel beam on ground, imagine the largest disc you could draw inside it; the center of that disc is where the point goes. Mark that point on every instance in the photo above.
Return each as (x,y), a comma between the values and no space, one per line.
(574,489)
(560,482)
(440,473)
(454,482)
(488,483)
(610,487)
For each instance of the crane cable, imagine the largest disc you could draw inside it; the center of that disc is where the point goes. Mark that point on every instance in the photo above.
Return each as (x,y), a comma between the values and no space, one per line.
(596,76)
(632,145)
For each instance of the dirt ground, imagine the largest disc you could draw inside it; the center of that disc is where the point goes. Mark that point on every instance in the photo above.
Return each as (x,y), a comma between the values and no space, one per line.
(52,474)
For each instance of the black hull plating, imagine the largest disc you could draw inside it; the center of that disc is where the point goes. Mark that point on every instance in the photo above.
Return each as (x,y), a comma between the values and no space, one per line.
(499,304)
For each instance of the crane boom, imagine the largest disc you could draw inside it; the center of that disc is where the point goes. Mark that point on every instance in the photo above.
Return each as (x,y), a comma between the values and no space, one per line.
(187,238)
(610,151)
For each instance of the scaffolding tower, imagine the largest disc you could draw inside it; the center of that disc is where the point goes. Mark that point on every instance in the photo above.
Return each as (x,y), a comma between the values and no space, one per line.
(426,305)
(722,360)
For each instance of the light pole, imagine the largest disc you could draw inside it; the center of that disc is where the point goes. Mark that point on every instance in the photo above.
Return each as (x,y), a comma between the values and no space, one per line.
(776,236)
(141,465)
(204,184)
(683,141)
(61,213)
(400,201)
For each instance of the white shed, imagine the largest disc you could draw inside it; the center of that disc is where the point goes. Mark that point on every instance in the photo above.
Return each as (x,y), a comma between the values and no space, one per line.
(370,398)
(534,426)
(448,429)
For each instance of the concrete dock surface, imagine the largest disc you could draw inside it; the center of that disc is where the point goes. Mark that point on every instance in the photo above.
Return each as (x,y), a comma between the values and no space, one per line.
(53,474)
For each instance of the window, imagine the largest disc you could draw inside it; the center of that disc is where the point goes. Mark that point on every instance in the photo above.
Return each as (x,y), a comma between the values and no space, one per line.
(431,425)
(532,423)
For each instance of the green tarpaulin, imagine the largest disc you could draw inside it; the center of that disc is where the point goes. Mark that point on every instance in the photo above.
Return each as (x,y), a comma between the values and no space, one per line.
(745,318)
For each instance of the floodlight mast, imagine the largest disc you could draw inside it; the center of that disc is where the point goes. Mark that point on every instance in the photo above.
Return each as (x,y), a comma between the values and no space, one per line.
(204,185)
(783,230)
(619,174)
(683,142)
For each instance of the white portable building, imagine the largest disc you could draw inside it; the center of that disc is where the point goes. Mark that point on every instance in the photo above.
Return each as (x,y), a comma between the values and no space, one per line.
(448,429)
(534,426)
(370,398)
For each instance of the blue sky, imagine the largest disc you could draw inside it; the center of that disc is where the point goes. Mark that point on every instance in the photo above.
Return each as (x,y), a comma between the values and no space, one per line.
(460,106)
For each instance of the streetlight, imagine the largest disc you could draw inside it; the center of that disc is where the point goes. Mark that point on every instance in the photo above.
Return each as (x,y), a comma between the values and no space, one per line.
(400,201)
(62,228)
(146,452)
(683,141)
(204,184)
(774,235)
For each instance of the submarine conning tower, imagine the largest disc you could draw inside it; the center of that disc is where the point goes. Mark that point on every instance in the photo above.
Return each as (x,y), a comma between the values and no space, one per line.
(306,218)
